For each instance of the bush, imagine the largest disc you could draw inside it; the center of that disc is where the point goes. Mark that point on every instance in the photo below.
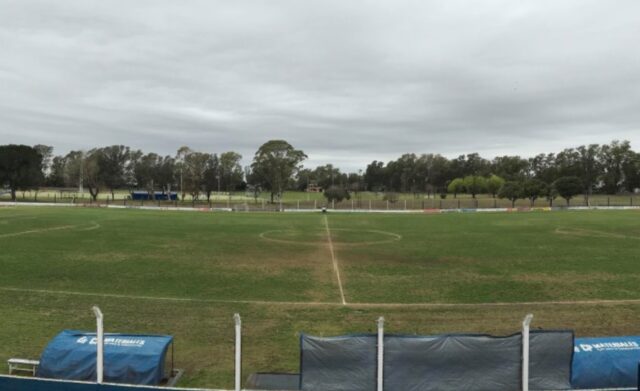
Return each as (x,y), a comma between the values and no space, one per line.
(391,197)
(337,194)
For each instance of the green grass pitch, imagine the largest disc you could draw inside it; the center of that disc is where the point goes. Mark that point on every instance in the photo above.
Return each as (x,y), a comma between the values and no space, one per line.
(185,274)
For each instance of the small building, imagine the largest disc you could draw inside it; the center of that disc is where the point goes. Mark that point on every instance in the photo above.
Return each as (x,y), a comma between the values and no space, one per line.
(314,189)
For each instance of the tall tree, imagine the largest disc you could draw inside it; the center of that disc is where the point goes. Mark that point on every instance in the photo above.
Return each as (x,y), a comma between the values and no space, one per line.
(494,183)
(590,167)
(544,167)
(56,174)
(113,164)
(456,186)
(47,154)
(20,168)
(374,176)
(533,189)
(194,171)
(568,187)
(474,184)
(230,170)
(631,171)
(91,172)
(614,157)
(512,191)
(275,163)
(212,179)
(145,171)
(511,168)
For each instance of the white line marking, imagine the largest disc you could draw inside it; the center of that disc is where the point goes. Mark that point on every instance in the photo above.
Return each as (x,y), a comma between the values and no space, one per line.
(336,268)
(161,298)
(325,304)
(35,231)
(91,227)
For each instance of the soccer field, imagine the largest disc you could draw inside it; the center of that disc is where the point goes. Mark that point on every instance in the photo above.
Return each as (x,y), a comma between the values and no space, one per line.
(186,273)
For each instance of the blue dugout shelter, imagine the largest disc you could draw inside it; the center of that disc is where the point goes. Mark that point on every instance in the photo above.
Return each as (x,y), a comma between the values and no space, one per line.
(141,195)
(128,358)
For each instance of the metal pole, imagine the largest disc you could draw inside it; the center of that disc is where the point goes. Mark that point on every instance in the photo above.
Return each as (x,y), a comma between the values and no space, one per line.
(100,344)
(380,353)
(238,322)
(525,351)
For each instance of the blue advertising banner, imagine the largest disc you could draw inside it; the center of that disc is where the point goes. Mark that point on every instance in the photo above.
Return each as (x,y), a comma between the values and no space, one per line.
(606,362)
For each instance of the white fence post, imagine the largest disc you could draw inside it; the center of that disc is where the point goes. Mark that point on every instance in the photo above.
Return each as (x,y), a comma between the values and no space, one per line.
(380,353)
(238,322)
(525,351)
(99,344)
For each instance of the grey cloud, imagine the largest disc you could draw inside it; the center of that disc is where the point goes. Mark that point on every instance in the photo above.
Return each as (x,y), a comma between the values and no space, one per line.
(347,81)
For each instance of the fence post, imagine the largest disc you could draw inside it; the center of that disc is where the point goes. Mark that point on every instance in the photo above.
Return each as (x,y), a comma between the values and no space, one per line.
(369,204)
(99,344)
(238,351)
(298,204)
(333,204)
(380,353)
(315,204)
(352,204)
(387,204)
(405,204)
(525,351)
(458,204)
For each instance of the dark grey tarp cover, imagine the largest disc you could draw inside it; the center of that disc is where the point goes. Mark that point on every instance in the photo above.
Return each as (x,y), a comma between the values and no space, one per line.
(452,362)
(273,381)
(345,363)
(465,362)
(550,359)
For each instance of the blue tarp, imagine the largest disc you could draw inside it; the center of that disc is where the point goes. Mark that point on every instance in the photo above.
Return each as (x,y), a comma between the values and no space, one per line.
(606,362)
(128,358)
(140,195)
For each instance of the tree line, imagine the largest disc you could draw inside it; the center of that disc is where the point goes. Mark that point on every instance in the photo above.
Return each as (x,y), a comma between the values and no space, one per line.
(277,166)
(24,168)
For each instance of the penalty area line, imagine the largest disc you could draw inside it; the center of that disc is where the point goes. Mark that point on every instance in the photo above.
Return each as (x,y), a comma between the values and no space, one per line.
(334,260)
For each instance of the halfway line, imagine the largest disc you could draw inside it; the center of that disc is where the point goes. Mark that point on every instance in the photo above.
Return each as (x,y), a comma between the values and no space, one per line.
(334,260)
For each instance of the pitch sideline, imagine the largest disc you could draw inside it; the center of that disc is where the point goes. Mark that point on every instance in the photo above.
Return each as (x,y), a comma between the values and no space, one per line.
(325,304)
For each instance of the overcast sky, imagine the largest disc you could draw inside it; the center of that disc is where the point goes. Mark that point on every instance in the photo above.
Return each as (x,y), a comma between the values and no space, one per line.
(346,81)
